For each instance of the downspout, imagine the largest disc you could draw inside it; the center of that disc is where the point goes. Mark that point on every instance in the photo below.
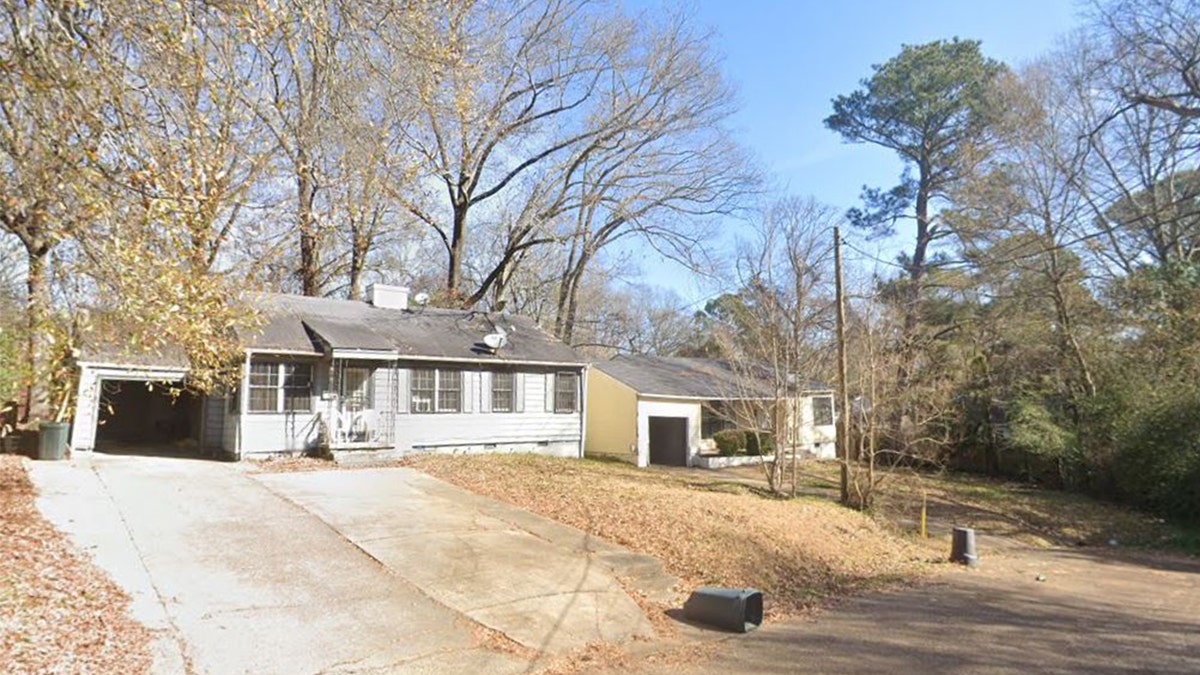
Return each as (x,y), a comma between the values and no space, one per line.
(583,387)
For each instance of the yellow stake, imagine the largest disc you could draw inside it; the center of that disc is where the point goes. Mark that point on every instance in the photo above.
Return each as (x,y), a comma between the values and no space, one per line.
(924,510)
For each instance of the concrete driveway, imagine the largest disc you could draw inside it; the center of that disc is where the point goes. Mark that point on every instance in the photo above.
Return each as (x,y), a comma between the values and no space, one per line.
(327,572)
(540,583)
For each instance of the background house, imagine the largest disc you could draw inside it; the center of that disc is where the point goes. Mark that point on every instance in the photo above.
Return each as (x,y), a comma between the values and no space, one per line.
(351,375)
(659,410)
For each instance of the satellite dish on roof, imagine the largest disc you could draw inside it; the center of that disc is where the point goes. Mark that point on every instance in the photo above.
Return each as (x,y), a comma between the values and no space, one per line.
(495,341)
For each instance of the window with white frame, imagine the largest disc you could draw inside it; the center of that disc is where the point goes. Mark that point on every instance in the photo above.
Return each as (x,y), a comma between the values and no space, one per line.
(504,392)
(279,386)
(566,392)
(436,390)
(424,384)
(822,410)
(449,390)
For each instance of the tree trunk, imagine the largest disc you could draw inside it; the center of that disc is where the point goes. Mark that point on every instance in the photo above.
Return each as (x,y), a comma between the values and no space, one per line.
(359,246)
(457,247)
(916,268)
(569,313)
(37,303)
(1069,344)
(310,254)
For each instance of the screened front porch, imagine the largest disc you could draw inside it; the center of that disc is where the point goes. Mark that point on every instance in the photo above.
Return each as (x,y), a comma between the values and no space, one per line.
(359,407)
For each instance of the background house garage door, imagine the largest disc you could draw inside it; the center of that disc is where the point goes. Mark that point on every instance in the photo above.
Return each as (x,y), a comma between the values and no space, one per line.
(668,441)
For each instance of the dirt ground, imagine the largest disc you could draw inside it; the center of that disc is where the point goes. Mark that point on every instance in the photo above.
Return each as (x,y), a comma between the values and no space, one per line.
(1096,611)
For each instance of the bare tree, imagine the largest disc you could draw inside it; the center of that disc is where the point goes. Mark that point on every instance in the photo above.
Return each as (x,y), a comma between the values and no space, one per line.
(663,174)
(501,97)
(777,333)
(1155,45)
(298,49)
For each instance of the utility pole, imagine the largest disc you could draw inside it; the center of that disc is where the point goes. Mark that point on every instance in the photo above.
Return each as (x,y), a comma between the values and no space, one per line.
(843,429)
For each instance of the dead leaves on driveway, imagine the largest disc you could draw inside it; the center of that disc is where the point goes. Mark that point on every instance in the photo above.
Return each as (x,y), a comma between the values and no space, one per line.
(58,612)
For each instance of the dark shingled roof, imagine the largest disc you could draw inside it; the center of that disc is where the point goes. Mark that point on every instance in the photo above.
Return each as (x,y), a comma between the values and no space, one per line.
(687,378)
(108,352)
(304,324)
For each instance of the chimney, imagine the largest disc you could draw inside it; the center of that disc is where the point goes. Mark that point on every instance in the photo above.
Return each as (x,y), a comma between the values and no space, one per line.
(388,297)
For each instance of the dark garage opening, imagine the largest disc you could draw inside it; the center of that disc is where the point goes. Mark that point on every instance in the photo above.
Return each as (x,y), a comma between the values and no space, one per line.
(145,418)
(668,441)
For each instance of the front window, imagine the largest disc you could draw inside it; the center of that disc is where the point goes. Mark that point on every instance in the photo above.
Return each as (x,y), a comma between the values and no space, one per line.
(503,392)
(436,390)
(280,387)
(822,411)
(424,384)
(566,392)
(449,390)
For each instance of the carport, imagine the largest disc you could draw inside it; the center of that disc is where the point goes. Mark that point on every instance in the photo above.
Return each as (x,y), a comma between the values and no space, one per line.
(144,415)
(134,408)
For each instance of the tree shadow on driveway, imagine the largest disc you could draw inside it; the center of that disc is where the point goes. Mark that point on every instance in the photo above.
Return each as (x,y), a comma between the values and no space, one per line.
(1094,613)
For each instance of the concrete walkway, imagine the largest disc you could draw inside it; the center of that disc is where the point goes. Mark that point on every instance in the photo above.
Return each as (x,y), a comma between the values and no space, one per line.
(547,586)
(234,579)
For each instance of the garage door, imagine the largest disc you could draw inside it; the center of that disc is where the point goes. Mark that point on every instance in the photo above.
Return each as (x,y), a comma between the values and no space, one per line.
(668,441)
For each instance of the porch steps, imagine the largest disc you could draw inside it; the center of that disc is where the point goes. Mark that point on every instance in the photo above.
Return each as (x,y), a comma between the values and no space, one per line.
(367,457)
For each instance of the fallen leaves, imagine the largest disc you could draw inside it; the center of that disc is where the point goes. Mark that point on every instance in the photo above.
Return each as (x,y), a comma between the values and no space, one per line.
(58,612)
(801,553)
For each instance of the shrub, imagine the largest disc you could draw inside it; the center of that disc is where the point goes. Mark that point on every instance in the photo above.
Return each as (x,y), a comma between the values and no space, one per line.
(760,443)
(730,442)
(1157,459)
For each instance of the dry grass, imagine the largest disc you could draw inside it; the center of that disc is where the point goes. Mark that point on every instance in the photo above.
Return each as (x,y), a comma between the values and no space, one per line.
(801,553)
(1019,511)
(58,612)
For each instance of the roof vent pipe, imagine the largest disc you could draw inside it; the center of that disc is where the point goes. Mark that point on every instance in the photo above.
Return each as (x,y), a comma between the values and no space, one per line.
(388,297)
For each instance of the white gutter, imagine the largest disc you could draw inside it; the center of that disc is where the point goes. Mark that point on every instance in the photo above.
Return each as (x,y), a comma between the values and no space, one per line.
(397,356)
(521,362)
(284,352)
(132,366)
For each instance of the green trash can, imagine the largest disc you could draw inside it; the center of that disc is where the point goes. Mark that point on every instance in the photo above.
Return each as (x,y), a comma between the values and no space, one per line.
(735,609)
(52,440)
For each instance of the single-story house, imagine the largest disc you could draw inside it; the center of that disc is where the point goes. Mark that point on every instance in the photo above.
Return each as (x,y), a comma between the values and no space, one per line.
(323,373)
(661,410)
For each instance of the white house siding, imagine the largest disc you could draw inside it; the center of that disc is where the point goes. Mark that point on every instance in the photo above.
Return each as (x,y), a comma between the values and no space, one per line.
(535,428)
(278,432)
(213,432)
(819,440)
(231,432)
(265,433)
(654,407)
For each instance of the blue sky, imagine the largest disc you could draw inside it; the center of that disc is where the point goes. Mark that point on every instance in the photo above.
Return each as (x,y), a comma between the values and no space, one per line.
(789,59)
